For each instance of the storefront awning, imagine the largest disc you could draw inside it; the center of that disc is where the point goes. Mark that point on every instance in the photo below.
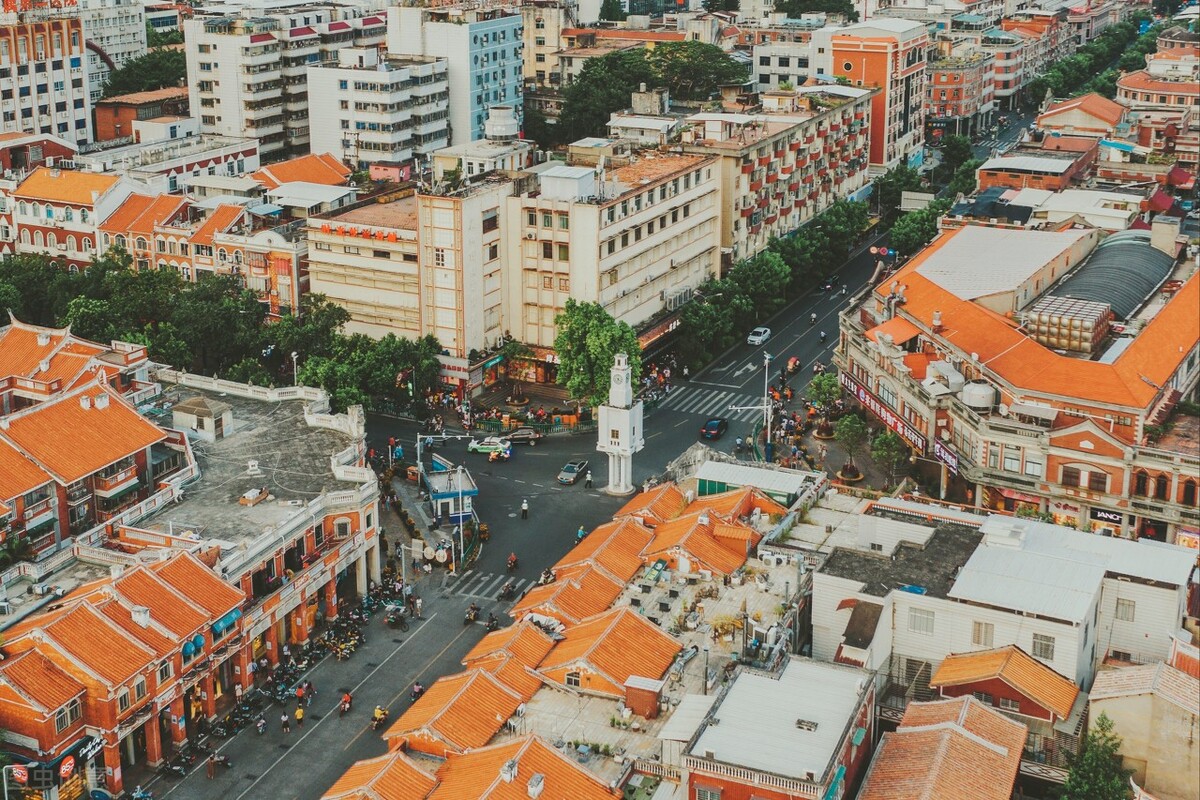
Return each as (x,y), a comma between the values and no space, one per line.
(1012,494)
(898,328)
(1180,177)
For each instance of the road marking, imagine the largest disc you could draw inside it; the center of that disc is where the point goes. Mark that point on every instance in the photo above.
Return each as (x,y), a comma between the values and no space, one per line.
(518,480)
(328,716)
(428,663)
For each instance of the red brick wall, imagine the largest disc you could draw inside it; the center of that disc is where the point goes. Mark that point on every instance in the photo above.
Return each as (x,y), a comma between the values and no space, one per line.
(998,689)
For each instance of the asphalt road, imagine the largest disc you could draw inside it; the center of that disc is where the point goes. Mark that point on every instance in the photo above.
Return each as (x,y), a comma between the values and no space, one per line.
(1006,136)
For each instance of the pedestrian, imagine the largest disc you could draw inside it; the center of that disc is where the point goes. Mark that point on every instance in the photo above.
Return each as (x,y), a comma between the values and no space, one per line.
(310,692)
(285,722)
(300,716)
(300,694)
(253,668)
(210,767)
(524,509)
(587,480)
(418,603)
(843,290)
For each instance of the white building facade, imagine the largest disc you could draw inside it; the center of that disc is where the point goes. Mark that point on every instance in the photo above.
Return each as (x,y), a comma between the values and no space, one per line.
(117,30)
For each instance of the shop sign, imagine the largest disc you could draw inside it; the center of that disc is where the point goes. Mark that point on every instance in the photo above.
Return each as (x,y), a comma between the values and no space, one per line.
(1188,537)
(944,454)
(20,774)
(493,361)
(91,749)
(877,407)
(67,768)
(1104,515)
(660,330)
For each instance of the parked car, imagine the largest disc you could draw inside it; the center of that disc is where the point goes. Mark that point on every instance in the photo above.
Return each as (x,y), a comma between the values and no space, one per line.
(524,436)
(758,336)
(572,471)
(491,444)
(715,428)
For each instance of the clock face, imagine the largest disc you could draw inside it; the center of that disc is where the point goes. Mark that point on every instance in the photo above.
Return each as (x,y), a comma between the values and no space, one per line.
(618,379)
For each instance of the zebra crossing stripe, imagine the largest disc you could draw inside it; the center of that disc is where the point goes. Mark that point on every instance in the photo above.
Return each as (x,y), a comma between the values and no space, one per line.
(487,585)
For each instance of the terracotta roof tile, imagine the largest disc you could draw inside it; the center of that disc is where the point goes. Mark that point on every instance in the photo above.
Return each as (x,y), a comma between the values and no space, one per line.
(393,776)
(168,607)
(219,221)
(1144,82)
(694,535)
(64,186)
(162,210)
(72,442)
(1094,105)
(99,644)
(463,711)
(199,584)
(1015,667)
(578,593)
(525,642)
(151,636)
(322,168)
(948,750)
(657,505)
(20,350)
(616,547)
(39,680)
(18,474)
(617,644)
(736,503)
(476,775)
(124,215)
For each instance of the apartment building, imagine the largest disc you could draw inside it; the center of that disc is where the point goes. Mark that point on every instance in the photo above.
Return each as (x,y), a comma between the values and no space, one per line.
(248,75)
(636,237)
(43,76)
(961,98)
(1009,49)
(783,164)
(1046,35)
(116,33)
(483,48)
(543,22)
(115,115)
(1165,99)
(1061,415)
(387,110)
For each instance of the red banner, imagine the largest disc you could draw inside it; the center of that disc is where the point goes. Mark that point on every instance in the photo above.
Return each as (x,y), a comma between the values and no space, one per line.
(881,410)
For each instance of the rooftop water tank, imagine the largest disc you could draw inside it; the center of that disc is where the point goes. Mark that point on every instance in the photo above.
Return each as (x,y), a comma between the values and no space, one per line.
(979,395)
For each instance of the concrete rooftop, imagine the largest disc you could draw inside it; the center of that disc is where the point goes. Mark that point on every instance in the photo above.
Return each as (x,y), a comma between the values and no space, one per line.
(932,567)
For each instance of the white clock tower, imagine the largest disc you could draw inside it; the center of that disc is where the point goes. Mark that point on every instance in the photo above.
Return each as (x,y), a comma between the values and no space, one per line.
(619,432)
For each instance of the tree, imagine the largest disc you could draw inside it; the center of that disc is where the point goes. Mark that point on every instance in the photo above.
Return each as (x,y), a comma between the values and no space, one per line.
(156,38)
(797,8)
(760,279)
(842,223)
(612,11)
(721,5)
(604,86)
(889,190)
(539,129)
(823,391)
(156,69)
(1097,773)
(965,178)
(851,432)
(956,151)
(890,452)
(693,70)
(917,228)
(588,339)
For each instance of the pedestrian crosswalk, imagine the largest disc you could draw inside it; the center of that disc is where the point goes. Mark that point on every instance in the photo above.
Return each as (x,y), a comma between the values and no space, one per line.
(707,402)
(484,585)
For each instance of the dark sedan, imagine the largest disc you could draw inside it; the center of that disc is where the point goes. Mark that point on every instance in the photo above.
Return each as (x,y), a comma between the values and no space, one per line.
(715,428)
(572,472)
(523,436)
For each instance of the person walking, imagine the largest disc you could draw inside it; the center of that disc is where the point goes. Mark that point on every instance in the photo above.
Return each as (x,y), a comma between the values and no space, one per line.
(587,481)
(524,509)
(299,716)
(417,604)
(285,722)
(300,694)
(310,692)
(210,767)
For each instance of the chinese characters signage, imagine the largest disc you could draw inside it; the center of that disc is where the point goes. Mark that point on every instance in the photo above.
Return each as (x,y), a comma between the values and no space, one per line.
(877,407)
(944,454)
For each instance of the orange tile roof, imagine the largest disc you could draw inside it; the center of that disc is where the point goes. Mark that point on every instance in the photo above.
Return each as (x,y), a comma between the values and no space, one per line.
(99,645)
(636,35)
(1015,667)
(463,711)
(525,642)
(1143,81)
(949,750)
(122,615)
(168,607)
(72,187)
(1094,105)
(615,547)
(737,503)
(476,775)
(323,168)
(151,96)
(694,535)
(1028,365)
(657,505)
(577,593)
(20,351)
(72,442)
(162,210)
(616,644)
(124,215)
(219,221)
(199,584)
(39,681)
(393,776)
(18,474)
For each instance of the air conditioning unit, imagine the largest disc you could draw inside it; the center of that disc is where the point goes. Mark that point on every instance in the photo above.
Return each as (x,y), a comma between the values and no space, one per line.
(41,589)
(531,236)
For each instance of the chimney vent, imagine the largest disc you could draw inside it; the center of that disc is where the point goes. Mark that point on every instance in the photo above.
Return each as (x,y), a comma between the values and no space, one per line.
(937,322)
(44,365)
(102,400)
(85,401)
(141,615)
(43,339)
(536,785)
(508,770)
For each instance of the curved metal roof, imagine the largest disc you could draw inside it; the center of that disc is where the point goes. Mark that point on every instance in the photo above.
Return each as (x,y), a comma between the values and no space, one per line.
(1123,271)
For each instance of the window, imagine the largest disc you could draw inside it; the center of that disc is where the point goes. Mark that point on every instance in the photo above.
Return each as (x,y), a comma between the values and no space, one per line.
(707,794)
(139,689)
(1141,483)
(1125,609)
(920,621)
(1070,476)
(547,220)
(547,282)
(123,701)
(1012,458)
(983,697)
(1098,481)
(982,633)
(1043,647)
(564,252)
(564,221)
(439,257)
(1007,704)
(531,218)
(1033,465)
(547,249)
(1161,484)
(573,679)
(1189,492)
(67,715)
(164,672)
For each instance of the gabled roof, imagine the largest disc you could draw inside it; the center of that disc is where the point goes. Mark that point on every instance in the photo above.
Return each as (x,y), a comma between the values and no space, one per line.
(578,593)
(1161,680)
(120,220)
(169,607)
(161,210)
(616,547)
(98,644)
(617,644)
(1094,105)
(1015,667)
(72,442)
(737,503)
(463,711)
(39,681)
(18,474)
(949,750)
(708,540)
(323,168)
(199,584)
(657,505)
(220,220)
(476,775)
(24,348)
(67,186)
(122,614)
(393,776)
(525,642)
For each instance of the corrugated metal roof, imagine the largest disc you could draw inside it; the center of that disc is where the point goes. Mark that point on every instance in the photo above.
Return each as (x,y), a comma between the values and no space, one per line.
(758,716)
(768,480)
(686,717)
(1056,166)
(1122,272)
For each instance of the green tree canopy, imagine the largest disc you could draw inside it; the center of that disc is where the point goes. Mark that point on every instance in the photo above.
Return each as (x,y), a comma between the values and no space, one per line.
(890,452)
(156,38)
(604,85)
(797,8)
(851,433)
(889,190)
(917,228)
(693,70)
(1097,773)
(956,151)
(588,339)
(157,69)
(612,11)
(842,223)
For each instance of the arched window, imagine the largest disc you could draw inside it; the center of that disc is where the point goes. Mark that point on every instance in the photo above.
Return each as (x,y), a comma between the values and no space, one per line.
(49,211)
(38,239)
(73,269)
(36,209)
(1189,492)
(24,237)
(1141,483)
(107,241)
(87,245)
(68,214)
(1161,484)
(51,239)
(160,245)
(140,243)
(23,207)
(83,215)
(121,242)
(222,255)
(237,256)
(71,243)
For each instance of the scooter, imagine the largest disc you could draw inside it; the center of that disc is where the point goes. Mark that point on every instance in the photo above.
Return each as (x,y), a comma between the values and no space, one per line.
(397,618)
(344,707)
(261,725)
(513,563)
(580,534)
(508,591)
(416,692)
(377,720)
(546,577)
(172,770)
(499,455)
(222,761)
(492,623)
(472,616)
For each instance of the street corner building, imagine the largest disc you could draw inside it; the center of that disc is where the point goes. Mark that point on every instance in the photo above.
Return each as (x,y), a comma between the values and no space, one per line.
(170,550)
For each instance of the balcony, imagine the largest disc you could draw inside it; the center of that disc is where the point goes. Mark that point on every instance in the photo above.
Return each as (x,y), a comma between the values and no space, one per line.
(111,485)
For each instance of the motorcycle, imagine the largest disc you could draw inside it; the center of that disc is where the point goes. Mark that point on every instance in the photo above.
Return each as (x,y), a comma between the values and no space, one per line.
(492,623)
(172,770)
(397,618)
(471,616)
(547,577)
(344,706)
(378,719)
(261,725)
(499,456)
(513,563)
(222,761)
(508,591)
(580,534)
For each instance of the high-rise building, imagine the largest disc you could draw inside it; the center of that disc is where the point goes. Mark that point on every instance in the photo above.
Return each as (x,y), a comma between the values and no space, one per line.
(116,33)
(483,47)
(43,75)
(379,109)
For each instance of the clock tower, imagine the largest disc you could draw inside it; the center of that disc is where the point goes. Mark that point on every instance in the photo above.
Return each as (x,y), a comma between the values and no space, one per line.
(619,432)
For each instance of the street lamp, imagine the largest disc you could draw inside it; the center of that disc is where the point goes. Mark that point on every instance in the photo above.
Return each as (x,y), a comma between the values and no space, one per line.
(295,368)
(767,408)
(705,676)
(5,770)
(462,549)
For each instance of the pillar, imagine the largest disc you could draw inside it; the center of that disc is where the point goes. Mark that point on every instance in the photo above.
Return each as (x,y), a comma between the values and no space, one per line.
(374,557)
(112,767)
(299,623)
(271,637)
(178,721)
(360,572)
(208,697)
(331,603)
(241,667)
(154,753)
